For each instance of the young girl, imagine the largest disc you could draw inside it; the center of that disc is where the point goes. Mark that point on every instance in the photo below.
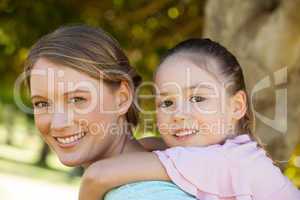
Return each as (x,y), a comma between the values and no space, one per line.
(203,116)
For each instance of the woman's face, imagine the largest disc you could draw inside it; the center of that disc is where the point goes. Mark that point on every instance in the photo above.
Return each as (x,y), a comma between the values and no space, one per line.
(192,106)
(74,112)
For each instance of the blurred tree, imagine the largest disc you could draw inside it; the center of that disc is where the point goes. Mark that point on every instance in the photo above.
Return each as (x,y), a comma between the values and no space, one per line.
(8,113)
(265,36)
(144,28)
(42,160)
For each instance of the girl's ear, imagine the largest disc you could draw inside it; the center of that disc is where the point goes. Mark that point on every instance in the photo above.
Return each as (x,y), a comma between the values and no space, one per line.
(239,105)
(124,97)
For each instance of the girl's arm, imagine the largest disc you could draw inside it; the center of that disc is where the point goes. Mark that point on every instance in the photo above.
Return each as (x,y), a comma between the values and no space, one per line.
(104,175)
(152,143)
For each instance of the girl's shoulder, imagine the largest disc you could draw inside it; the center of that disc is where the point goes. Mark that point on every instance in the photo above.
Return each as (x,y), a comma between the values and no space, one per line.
(242,150)
(239,151)
(237,167)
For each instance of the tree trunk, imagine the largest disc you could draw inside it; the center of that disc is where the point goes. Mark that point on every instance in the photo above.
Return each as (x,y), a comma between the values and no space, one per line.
(42,161)
(265,37)
(8,116)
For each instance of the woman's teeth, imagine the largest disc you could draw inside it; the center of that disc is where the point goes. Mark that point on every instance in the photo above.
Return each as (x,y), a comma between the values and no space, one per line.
(71,139)
(185,133)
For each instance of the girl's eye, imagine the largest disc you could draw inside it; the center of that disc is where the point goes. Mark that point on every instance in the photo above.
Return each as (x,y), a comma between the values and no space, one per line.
(195,99)
(41,104)
(166,103)
(77,100)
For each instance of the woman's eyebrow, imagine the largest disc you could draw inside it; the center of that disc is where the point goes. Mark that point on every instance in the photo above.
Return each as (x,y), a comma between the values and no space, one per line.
(37,97)
(65,94)
(76,91)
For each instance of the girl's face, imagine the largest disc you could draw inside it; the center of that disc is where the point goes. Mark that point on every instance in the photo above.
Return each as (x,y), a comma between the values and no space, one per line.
(74,112)
(192,106)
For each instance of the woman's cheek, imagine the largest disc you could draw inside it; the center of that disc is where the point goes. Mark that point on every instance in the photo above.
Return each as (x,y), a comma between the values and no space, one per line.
(43,123)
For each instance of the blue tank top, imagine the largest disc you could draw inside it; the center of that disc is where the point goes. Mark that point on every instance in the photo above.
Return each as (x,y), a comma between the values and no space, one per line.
(148,190)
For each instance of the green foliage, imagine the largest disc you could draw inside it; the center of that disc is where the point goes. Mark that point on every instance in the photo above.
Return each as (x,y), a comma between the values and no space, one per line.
(145,30)
(293,169)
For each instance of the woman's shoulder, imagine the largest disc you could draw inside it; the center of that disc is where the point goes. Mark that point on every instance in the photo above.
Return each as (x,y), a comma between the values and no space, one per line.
(148,190)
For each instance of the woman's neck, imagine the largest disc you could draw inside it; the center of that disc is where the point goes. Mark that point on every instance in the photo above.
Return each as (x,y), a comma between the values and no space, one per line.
(122,143)
(132,145)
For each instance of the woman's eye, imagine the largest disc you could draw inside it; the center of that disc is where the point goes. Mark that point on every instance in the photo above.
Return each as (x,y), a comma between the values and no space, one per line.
(77,100)
(195,99)
(41,104)
(166,103)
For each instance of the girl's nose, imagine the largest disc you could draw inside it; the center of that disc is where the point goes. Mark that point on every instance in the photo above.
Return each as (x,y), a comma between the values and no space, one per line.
(179,117)
(181,113)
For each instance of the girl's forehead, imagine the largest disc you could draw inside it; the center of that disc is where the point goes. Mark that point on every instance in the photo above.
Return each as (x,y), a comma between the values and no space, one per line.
(181,72)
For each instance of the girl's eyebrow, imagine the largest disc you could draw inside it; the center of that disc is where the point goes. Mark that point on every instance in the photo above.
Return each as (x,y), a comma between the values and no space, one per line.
(196,86)
(163,94)
(200,86)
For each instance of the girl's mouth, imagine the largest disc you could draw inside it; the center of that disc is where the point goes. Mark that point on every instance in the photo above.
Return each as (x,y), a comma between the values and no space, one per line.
(70,141)
(183,134)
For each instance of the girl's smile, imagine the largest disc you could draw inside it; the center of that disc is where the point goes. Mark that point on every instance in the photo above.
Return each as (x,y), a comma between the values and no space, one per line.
(192,109)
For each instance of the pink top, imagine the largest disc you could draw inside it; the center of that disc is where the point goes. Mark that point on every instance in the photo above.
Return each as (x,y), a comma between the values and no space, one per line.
(235,170)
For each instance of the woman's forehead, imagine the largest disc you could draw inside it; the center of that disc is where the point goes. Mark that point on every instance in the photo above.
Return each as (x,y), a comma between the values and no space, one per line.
(47,70)
(46,76)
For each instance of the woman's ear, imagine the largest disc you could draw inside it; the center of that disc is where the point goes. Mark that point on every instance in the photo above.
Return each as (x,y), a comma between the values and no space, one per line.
(239,105)
(124,97)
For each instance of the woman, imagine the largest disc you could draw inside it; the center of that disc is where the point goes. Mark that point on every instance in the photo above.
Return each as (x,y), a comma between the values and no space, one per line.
(82,89)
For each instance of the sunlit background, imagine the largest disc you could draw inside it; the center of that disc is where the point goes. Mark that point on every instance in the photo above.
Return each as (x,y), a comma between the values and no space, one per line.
(264,35)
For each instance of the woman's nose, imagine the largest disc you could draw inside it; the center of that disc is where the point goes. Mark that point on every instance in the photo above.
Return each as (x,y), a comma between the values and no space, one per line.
(60,121)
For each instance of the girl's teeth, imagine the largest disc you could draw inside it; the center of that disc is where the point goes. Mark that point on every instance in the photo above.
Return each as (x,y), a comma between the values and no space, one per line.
(71,138)
(185,133)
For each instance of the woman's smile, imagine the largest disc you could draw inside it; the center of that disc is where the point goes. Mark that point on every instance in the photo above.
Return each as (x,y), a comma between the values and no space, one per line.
(71,140)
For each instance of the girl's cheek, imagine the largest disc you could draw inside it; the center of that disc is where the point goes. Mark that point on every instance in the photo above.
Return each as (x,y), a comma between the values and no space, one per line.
(162,122)
(163,129)
(163,117)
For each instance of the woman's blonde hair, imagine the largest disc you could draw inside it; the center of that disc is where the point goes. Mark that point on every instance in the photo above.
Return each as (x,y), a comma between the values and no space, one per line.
(89,50)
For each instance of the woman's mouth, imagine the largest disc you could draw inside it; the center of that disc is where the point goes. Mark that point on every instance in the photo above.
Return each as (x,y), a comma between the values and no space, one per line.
(70,141)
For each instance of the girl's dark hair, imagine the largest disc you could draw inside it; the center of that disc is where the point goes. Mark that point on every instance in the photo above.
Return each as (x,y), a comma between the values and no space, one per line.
(227,68)
(89,50)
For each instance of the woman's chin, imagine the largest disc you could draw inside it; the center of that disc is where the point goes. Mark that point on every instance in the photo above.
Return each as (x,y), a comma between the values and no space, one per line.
(70,161)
